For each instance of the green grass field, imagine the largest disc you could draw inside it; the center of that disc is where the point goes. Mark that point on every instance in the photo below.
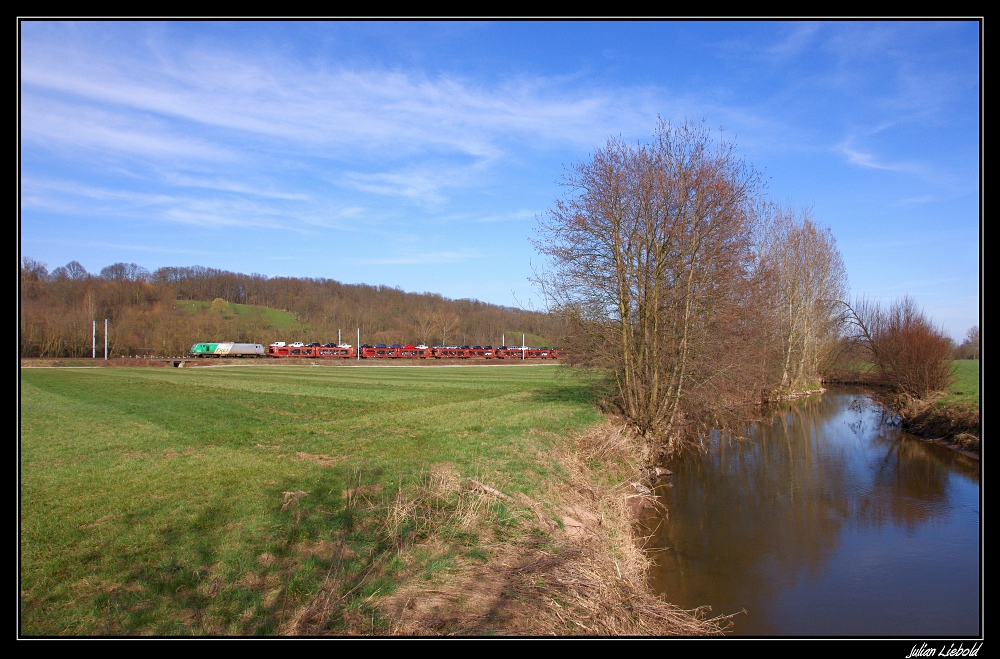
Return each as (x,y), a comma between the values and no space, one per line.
(964,390)
(153,501)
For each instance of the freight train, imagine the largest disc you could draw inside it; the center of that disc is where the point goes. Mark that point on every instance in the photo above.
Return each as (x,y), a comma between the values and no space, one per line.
(379,351)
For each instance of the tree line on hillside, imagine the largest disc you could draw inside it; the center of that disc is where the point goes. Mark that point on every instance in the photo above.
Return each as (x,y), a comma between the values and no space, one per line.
(146,314)
(699,295)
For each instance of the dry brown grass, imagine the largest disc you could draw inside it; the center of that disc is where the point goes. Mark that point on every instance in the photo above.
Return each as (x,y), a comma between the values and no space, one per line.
(566,564)
(952,424)
(581,575)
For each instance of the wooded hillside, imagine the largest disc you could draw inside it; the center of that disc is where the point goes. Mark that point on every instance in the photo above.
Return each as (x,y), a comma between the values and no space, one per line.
(166,311)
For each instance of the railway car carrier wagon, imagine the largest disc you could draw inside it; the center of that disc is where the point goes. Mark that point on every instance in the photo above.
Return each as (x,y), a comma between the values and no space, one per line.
(327,351)
(228,349)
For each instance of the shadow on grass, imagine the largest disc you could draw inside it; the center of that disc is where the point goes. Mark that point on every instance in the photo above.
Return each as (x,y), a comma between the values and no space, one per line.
(574,388)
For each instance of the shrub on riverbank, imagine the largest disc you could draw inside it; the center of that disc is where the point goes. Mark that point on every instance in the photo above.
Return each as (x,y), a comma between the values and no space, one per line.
(912,355)
(952,414)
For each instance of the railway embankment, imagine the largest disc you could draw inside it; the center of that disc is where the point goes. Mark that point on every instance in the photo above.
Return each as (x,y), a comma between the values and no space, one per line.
(113,362)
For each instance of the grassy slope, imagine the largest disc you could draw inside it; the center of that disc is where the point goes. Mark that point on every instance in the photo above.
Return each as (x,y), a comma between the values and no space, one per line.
(276,318)
(151,499)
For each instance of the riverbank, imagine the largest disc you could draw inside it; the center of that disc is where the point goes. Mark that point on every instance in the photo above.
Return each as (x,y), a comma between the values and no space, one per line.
(935,419)
(580,571)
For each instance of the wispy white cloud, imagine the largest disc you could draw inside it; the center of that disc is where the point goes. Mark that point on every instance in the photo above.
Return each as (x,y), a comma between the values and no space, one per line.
(425,258)
(154,249)
(415,185)
(236,187)
(124,247)
(921,199)
(314,108)
(516,216)
(64,197)
(870,161)
(794,41)
(56,125)
(900,72)
(209,219)
(35,185)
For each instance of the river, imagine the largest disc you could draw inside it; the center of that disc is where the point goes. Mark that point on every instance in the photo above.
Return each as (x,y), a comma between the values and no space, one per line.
(824,521)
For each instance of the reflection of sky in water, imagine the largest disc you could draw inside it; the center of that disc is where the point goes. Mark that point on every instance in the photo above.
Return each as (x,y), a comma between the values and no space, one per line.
(825,523)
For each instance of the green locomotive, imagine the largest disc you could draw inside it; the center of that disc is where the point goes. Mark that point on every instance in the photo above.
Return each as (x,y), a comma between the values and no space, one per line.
(227,349)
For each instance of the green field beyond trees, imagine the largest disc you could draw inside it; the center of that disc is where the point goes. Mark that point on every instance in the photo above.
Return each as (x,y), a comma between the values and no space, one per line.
(220,500)
(964,389)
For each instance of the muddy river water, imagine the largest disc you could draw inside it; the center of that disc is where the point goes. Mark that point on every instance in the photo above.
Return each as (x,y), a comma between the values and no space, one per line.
(824,521)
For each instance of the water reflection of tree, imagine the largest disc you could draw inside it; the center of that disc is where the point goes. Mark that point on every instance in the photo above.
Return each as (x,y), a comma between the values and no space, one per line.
(910,481)
(752,517)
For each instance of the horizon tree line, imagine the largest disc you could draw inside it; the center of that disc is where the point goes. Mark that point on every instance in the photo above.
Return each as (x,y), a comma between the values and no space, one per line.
(57,310)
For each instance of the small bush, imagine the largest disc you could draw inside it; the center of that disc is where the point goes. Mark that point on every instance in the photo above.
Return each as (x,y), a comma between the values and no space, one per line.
(912,355)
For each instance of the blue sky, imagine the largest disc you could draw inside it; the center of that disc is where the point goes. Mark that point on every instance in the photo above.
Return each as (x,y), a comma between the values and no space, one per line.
(421,154)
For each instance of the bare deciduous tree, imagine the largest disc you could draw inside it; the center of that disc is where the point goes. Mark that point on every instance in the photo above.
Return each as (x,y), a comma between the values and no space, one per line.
(912,355)
(447,321)
(424,320)
(650,254)
(809,287)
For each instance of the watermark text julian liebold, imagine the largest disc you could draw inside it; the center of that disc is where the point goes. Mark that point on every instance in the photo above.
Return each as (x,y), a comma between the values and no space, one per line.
(925,650)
